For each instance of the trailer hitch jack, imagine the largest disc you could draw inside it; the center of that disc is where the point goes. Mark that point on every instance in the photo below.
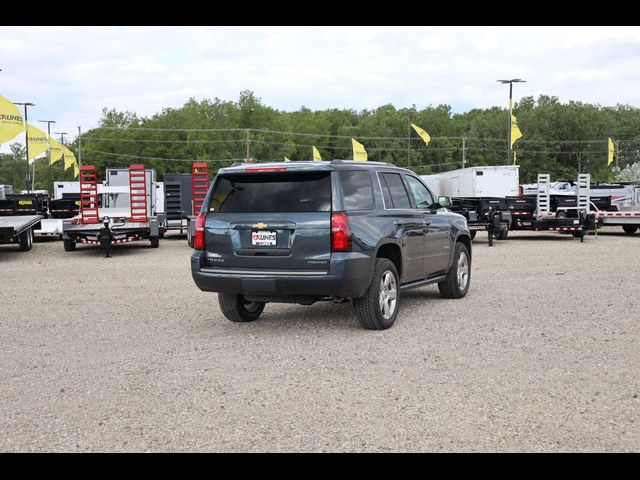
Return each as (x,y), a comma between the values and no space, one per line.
(105,238)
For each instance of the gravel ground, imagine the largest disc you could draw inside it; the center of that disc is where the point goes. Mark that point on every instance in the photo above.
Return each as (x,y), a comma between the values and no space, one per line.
(126,354)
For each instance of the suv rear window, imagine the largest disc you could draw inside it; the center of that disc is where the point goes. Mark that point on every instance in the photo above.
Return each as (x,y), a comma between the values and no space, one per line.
(282,192)
(357,190)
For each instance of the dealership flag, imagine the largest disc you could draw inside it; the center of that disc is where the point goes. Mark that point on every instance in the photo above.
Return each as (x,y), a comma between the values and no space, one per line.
(610,152)
(38,142)
(359,153)
(316,154)
(69,157)
(56,150)
(76,170)
(11,123)
(423,135)
(286,159)
(515,131)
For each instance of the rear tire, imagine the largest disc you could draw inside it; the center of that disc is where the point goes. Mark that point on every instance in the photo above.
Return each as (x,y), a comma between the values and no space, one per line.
(69,245)
(237,309)
(456,285)
(378,308)
(155,242)
(630,229)
(25,240)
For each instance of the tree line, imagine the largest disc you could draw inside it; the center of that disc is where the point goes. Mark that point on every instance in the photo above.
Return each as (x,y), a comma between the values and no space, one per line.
(562,139)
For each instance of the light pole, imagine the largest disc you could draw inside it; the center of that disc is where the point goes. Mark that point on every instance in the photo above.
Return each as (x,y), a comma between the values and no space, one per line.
(48,122)
(510,82)
(26,139)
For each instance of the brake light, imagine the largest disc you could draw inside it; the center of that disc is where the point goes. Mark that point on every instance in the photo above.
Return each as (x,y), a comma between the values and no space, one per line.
(266,169)
(340,235)
(198,239)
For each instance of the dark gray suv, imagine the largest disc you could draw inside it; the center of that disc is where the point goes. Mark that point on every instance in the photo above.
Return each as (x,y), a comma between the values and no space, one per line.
(345,231)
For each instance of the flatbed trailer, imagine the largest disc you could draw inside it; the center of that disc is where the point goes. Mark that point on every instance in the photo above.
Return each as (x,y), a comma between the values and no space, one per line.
(489,214)
(19,229)
(107,226)
(536,213)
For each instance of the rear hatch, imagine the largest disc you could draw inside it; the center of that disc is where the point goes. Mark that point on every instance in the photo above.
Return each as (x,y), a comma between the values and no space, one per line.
(270,221)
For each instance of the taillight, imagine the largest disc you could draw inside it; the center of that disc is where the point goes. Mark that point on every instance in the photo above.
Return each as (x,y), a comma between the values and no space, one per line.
(198,239)
(340,235)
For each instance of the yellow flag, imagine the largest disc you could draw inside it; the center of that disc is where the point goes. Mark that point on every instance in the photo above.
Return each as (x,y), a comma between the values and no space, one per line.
(610,152)
(423,135)
(316,154)
(359,153)
(514,157)
(76,170)
(11,123)
(56,150)
(38,142)
(69,157)
(286,159)
(515,131)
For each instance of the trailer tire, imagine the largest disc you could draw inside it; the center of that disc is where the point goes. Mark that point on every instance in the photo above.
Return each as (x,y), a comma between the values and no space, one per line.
(472,234)
(69,245)
(456,285)
(630,229)
(25,240)
(503,234)
(237,309)
(561,214)
(155,242)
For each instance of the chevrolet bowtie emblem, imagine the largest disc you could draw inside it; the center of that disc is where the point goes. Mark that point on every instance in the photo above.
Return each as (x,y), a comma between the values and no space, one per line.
(260,225)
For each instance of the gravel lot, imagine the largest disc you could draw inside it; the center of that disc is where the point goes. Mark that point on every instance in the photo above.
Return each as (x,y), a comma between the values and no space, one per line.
(126,354)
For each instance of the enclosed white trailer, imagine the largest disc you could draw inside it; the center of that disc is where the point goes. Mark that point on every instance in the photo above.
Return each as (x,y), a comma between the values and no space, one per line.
(485,181)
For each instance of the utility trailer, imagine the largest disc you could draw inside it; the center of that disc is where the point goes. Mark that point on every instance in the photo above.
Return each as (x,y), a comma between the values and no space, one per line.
(484,214)
(199,190)
(104,226)
(536,213)
(479,194)
(17,226)
(623,209)
(178,201)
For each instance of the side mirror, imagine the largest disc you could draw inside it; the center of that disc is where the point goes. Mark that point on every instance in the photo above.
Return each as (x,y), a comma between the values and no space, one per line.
(444,201)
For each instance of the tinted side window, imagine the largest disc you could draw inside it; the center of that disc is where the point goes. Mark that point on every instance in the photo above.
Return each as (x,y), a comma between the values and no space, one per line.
(357,191)
(399,196)
(420,193)
(288,192)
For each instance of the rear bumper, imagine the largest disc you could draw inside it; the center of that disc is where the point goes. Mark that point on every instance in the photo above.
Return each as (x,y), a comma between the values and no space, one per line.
(349,275)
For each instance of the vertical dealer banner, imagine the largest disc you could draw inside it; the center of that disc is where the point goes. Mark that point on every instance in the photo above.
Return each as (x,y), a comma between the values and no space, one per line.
(38,142)
(11,123)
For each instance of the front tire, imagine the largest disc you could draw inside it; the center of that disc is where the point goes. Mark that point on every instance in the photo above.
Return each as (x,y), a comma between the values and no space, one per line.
(237,309)
(378,308)
(456,285)
(25,240)
(630,229)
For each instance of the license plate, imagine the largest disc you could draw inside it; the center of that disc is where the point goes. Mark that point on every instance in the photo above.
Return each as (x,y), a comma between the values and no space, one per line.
(263,238)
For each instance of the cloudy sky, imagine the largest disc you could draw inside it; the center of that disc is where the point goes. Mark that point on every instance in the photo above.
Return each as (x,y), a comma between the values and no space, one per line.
(71,73)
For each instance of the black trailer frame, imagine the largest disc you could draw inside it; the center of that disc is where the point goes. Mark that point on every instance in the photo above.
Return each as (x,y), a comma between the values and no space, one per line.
(19,229)
(488,214)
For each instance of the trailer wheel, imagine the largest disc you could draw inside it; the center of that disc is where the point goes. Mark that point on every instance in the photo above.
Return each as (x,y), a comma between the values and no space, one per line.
(25,240)
(630,229)
(472,234)
(503,234)
(155,242)
(561,214)
(69,245)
